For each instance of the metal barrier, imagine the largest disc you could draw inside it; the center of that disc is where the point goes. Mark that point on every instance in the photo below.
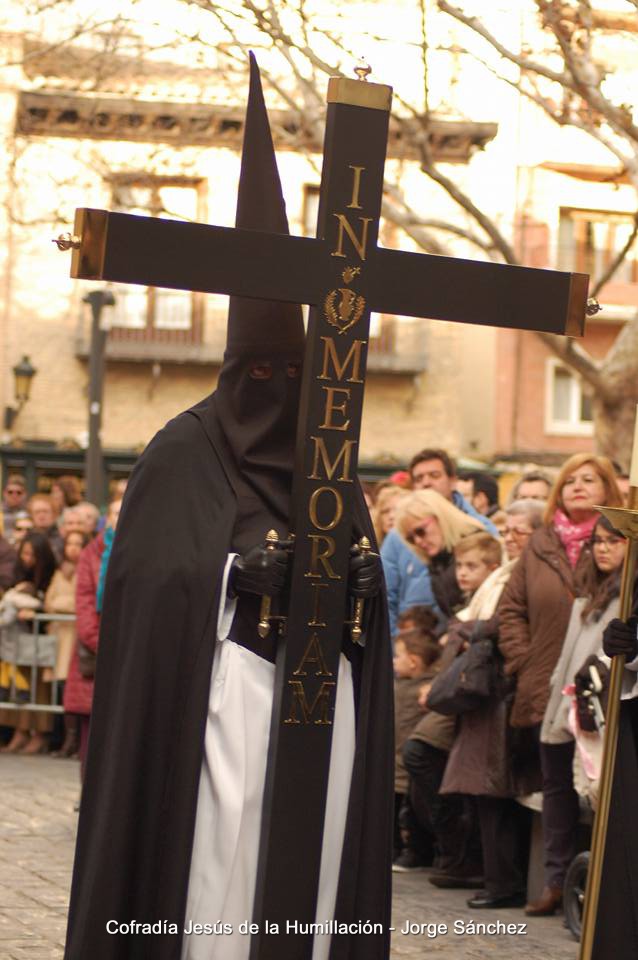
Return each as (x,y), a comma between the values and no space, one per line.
(31,651)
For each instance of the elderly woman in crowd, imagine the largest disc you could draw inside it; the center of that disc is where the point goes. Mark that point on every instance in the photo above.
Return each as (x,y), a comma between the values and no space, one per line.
(481,759)
(534,614)
(90,517)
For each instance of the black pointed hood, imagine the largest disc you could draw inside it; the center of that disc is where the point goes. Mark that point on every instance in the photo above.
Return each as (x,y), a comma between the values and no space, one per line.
(257,396)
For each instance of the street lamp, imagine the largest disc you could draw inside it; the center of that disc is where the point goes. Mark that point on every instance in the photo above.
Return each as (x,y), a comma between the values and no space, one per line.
(94,464)
(23,374)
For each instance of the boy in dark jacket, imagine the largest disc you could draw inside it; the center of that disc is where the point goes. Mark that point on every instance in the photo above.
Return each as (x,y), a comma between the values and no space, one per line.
(415,654)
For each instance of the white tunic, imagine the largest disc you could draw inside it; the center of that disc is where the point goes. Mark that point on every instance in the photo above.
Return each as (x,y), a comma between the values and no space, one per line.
(224,862)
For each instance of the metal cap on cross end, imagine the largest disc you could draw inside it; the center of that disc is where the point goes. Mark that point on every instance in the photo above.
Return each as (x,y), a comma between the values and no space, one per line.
(360,93)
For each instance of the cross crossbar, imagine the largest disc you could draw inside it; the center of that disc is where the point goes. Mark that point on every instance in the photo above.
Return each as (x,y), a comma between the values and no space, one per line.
(125,248)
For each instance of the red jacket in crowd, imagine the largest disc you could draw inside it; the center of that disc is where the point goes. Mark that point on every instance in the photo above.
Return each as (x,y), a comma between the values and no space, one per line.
(78,691)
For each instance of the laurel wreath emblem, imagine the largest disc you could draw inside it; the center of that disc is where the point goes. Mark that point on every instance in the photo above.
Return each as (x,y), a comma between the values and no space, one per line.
(343,307)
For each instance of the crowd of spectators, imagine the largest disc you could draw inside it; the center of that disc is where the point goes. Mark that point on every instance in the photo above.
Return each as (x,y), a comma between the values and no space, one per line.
(534,581)
(53,558)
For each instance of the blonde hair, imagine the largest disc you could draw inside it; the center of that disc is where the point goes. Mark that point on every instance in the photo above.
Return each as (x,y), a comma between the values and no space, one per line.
(454,524)
(383,499)
(489,547)
(604,469)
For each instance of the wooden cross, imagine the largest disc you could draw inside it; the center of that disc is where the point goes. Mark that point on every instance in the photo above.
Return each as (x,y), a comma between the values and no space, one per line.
(343,275)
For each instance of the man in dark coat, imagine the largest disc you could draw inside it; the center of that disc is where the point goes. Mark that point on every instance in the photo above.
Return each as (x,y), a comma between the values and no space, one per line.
(200,500)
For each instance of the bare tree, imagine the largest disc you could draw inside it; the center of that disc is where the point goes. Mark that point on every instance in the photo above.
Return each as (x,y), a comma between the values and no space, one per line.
(573,94)
(564,78)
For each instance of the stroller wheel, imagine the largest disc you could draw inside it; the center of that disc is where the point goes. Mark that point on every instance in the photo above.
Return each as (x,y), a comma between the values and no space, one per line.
(574,893)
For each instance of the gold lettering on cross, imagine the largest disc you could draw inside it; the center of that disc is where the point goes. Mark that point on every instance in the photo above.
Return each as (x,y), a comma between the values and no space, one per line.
(316,620)
(356,183)
(332,408)
(338,508)
(320,703)
(330,355)
(321,453)
(317,557)
(359,243)
(313,654)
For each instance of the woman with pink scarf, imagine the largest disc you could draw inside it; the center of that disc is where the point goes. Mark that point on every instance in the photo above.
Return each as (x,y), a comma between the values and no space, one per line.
(533,619)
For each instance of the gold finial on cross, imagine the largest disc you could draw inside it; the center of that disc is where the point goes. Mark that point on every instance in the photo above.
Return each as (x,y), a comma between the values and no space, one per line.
(593,307)
(363,69)
(67,241)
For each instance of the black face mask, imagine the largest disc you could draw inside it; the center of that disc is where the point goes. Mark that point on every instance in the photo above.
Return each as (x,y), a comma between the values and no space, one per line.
(257,400)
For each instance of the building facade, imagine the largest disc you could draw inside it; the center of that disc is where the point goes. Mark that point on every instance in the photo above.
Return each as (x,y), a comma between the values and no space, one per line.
(163,139)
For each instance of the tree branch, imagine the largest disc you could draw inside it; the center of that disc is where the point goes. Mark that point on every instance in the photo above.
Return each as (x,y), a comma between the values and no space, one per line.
(617,261)
(586,75)
(462,199)
(572,354)
(475,25)
(406,217)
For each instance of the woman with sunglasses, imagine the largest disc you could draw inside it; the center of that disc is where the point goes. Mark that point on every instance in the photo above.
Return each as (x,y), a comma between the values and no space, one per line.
(534,615)
(432,527)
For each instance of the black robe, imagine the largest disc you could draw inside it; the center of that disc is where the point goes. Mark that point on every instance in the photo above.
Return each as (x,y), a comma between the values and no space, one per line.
(616,934)
(157,639)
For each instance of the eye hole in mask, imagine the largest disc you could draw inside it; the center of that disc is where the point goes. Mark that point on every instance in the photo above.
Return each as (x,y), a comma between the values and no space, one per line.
(260,371)
(293,370)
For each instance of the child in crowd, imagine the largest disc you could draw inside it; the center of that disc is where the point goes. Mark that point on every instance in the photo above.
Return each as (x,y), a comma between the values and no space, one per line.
(485,760)
(418,617)
(416,652)
(475,557)
(450,818)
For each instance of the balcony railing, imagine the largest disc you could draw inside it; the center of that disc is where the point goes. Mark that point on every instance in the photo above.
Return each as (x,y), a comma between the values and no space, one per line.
(395,346)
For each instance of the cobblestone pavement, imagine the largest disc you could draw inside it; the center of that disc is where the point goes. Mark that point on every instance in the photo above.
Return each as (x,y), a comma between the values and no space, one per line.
(37,828)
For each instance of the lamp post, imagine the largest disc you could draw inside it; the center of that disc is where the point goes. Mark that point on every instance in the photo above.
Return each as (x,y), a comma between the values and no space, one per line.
(23,374)
(94,462)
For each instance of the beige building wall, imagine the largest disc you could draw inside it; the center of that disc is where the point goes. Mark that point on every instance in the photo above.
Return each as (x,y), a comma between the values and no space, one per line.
(462,400)
(404,414)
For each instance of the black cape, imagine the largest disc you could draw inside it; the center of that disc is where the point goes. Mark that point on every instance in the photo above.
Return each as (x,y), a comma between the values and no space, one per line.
(157,640)
(616,934)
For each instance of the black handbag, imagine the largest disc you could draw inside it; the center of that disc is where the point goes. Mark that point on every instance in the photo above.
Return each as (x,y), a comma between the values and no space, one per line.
(468,681)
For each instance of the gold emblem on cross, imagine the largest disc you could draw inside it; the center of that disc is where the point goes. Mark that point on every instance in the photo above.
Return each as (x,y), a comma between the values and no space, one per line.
(343,307)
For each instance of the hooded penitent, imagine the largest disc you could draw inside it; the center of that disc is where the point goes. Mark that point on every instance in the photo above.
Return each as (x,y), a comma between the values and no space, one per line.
(212,481)
(257,396)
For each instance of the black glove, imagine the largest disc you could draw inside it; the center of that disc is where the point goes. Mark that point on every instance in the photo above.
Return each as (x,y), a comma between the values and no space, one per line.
(260,571)
(621,638)
(365,574)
